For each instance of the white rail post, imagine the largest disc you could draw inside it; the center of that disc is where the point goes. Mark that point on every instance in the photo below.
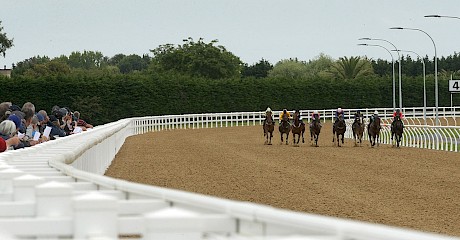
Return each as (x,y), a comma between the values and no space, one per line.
(95,216)
(24,187)
(6,183)
(54,199)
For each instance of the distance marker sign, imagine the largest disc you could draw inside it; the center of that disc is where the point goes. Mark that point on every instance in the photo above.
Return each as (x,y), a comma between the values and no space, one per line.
(454,85)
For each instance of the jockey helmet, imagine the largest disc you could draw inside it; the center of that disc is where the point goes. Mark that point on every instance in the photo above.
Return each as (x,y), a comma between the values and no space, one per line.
(268,110)
(339,110)
(297,110)
(376,112)
(398,111)
(284,110)
(359,111)
(315,112)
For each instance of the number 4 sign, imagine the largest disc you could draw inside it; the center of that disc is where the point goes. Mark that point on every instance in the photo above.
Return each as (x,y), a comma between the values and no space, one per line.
(454,85)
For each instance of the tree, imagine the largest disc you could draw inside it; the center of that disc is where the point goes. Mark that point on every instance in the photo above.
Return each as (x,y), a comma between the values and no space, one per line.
(5,42)
(320,66)
(258,70)
(87,60)
(351,68)
(289,69)
(132,63)
(197,59)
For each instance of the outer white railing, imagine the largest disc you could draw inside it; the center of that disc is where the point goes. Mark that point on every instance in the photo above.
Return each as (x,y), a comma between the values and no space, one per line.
(56,190)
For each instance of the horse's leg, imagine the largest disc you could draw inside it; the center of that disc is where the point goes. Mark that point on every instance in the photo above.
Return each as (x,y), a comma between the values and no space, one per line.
(287,138)
(317,137)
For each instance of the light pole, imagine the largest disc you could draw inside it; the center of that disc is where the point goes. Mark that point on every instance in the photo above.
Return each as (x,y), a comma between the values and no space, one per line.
(393,62)
(424,83)
(435,69)
(399,59)
(440,16)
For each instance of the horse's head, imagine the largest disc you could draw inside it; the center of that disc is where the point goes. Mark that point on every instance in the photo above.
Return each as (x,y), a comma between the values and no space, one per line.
(269,119)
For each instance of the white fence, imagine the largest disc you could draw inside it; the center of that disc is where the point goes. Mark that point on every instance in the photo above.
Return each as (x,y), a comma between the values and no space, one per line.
(56,190)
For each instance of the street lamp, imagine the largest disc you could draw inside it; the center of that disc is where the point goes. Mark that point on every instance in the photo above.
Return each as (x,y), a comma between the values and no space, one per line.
(435,69)
(393,62)
(424,83)
(399,57)
(440,16)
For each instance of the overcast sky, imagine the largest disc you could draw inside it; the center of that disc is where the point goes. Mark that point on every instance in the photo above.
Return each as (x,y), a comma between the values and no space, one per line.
(250,29)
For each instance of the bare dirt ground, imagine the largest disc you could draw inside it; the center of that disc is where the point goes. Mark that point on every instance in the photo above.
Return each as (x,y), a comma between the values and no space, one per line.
(406,187)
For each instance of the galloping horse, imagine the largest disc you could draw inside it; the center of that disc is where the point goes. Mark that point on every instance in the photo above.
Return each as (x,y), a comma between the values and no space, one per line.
(373,131)
(358,130)
(298,128)
(315,129)
(285,128)
(397,130)
(269,126)
(338,129)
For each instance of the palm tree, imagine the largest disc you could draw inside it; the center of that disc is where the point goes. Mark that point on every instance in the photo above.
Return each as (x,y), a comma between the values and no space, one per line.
(351,68)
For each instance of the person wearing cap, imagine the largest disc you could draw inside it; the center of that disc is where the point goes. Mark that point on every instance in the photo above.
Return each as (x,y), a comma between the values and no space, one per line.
(358,115)
(373,117)
(297,113)
(315,116)
(397,114)
(285,112)
(16,120)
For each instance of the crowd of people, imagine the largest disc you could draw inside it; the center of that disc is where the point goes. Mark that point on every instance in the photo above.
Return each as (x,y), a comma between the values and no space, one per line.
(26,127)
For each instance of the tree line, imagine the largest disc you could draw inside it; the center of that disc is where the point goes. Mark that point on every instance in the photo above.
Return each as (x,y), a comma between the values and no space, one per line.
(200,77)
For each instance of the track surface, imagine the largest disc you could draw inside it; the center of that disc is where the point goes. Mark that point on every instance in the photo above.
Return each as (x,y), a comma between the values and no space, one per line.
(406,187)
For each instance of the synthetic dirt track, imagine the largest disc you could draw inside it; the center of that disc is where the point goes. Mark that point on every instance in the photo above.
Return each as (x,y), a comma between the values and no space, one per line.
(406,187)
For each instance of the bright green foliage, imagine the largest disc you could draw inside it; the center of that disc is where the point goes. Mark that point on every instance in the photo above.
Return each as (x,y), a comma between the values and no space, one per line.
(289,69)
(5,42)
(320,66)
(351,68)
(197,59)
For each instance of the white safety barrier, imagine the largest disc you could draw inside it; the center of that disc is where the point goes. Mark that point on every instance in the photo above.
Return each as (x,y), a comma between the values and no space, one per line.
(56,190)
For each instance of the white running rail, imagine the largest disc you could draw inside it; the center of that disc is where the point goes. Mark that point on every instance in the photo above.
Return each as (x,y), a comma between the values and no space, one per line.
(56,190)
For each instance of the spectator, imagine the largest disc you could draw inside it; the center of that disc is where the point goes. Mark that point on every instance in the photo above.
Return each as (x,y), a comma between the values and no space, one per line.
(8,134)
(84,125)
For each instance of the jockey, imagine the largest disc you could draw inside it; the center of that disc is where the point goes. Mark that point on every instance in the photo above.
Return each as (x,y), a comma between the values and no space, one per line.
(268,112)
(299,116)
(376,115)
(315,116)
(358,115)
(338,113)
(285,112)
(399,114)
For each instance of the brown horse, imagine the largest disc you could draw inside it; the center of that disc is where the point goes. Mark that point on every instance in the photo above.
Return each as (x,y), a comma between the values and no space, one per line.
(397,130)
(285,128)
(298,128)
(358,130)
(269,126)
(315,129)
(373,130)
(338,129)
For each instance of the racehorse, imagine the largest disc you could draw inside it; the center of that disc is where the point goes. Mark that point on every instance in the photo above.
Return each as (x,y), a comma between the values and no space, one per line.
(373,130)
(298,128)
(338,129)
(315,129)
(285,128)
(269,126)
(397,130)
(358,130)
